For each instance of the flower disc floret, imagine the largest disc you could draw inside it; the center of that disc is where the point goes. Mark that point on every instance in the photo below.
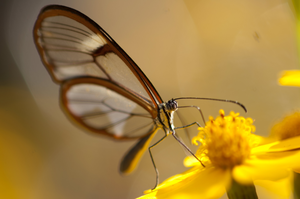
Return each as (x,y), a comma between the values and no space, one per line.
(226,141)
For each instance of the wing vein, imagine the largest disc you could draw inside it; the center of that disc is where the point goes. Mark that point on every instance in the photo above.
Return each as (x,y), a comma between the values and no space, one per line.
(66,25)
(69,40)
(74,29)
(91,115)
(121,111)
(112,124)
(137,129)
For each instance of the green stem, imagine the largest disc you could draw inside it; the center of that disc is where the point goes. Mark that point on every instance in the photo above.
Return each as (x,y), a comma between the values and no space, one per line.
(296,5)
(240,191)
(296,185)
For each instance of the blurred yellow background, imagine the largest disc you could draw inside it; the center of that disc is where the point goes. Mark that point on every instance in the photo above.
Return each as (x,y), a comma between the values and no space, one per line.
(223,49)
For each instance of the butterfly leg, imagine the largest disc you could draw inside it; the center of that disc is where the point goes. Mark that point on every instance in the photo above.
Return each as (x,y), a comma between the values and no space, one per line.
(184,127)
(199,109)
(186,147)
(187,133)
(152,159)
(189,125)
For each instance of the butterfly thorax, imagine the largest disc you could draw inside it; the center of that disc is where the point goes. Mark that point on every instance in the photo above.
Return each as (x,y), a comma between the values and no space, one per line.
(166,114)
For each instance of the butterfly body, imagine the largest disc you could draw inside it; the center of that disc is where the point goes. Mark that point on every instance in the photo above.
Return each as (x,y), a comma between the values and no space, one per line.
(166,116)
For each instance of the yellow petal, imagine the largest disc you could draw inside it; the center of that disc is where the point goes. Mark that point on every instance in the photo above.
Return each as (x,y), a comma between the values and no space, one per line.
(290,78)
(281,188)
(286,159)
(286,145)
(261,169)
(242,175)
(297,169)
(263,148)
(207,183)
(191,161)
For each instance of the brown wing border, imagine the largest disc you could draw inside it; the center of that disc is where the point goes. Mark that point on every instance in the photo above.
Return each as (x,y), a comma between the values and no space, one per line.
(109,85)
(59,10)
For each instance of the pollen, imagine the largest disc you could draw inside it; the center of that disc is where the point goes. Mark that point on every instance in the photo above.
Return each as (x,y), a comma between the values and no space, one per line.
(225,141)
(289,127)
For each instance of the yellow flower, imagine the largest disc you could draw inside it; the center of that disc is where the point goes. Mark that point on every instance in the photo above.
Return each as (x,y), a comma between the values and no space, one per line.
(230,152)
(236,145)
(290,78)
(289,127)
(287,132)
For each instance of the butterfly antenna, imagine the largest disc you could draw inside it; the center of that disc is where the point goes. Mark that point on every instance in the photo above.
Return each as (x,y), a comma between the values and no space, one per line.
(214,99)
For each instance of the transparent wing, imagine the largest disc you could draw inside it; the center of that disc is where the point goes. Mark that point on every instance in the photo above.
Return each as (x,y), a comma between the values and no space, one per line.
(71,45)
(102,89)
(106,108)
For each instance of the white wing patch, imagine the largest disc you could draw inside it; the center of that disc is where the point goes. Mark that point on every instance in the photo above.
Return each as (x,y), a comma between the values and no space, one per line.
(102,108)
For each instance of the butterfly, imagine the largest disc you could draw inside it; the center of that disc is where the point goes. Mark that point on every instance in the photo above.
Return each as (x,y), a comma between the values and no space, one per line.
(102,89)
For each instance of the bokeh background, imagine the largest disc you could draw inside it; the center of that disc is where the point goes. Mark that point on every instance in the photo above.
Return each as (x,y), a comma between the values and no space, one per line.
(223,49)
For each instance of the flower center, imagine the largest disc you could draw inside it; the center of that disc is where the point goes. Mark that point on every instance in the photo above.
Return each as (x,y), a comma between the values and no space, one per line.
(289,127)
(226,141)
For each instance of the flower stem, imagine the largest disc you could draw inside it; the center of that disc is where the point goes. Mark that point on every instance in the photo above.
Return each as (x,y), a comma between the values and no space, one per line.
(240,191)
(297,14)
(296,185)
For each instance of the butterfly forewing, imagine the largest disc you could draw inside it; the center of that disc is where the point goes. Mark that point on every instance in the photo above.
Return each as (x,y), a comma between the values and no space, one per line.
(67,47)
(106,108)
(72,45)
(102,89)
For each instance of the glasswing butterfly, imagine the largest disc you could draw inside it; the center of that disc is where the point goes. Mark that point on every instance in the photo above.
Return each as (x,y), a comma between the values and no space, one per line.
(101,88)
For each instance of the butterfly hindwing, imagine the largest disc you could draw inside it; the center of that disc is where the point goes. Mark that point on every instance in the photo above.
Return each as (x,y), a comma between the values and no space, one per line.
(106,108)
